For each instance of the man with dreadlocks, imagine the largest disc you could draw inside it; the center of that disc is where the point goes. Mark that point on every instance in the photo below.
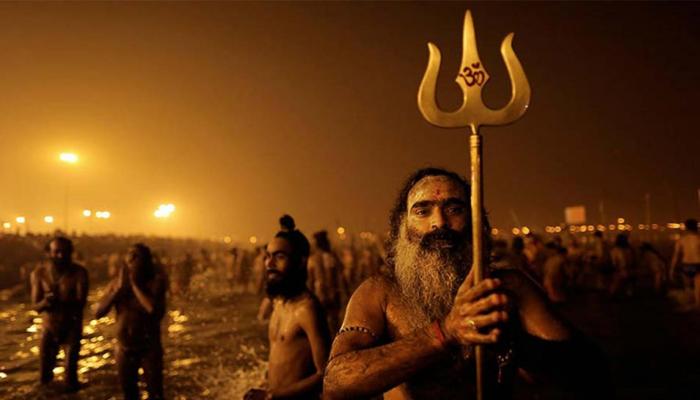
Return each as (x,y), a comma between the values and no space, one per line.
(298,334)
(409,334)
(138,295)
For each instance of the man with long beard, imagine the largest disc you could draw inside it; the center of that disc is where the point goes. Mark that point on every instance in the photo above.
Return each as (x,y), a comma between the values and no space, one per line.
(298,333)
(410,334)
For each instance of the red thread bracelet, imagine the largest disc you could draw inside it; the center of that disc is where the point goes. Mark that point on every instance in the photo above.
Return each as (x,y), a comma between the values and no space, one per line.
(438,333)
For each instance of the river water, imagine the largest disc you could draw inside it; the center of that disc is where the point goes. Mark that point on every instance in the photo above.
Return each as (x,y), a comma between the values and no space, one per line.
(214,348)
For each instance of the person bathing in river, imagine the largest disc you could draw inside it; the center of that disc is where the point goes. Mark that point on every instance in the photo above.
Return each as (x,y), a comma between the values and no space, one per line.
(59,291)
(138,295)
(298,332)
(409,333)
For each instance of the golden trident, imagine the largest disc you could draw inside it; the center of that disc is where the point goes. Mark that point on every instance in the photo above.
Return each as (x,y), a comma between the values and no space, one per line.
(474,114)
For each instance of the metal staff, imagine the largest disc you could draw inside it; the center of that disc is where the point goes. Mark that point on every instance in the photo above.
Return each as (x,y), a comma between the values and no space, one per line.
(474,113)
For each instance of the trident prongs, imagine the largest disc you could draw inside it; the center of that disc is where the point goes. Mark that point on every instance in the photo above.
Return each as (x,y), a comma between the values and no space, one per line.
(471,78)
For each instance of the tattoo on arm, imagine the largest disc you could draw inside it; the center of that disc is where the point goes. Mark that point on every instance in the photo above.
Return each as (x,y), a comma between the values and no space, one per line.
(374,370)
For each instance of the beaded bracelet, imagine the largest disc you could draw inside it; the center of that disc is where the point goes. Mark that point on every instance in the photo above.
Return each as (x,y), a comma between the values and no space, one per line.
(361,329)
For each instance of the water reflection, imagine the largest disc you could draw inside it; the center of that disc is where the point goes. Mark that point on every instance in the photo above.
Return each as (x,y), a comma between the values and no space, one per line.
(214,349)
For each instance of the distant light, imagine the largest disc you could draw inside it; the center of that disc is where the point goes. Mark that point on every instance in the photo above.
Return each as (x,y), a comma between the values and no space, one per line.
(253,240)
(620,220)
(641,227)
(628,227)
(516,231)
(103,214)
(591,228)
(227,239)
(341,230)
(6,225)
(48,219)
(611,227)
(20,220)
(673,225)
(87,213)
(70,158)
(654,226)
(164,210)
(525,230)
(494,232)
(620,227)
(557,229)
(600,227)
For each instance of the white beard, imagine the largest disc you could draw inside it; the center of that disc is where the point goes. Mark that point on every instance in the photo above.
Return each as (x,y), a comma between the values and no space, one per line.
(428,279)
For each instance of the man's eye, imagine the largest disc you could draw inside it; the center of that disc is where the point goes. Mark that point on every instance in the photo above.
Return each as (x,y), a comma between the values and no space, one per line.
(421,211)
(280,257)
(455,210)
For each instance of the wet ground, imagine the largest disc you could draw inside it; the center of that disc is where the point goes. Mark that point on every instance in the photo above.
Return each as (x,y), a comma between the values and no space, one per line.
(214,349)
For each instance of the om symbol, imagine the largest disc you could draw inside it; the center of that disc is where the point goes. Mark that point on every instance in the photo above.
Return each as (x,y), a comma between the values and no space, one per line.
(472,77)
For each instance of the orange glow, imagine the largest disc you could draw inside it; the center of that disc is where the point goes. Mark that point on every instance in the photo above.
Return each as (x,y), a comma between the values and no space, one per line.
(70,158)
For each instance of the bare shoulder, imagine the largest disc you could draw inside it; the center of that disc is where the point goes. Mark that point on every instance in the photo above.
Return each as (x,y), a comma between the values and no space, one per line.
(536,314)
(517,282)
(39,271)
(308,303)
(374,291)
(80,270)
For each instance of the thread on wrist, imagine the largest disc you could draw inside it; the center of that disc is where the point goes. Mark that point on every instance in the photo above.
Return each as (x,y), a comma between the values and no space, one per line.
(437,331)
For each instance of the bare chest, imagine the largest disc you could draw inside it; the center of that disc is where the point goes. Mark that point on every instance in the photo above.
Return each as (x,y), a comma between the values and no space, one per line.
(284,326)
(64,287)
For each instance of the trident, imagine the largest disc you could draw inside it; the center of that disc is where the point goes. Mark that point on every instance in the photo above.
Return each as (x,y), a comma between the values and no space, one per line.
(474,114)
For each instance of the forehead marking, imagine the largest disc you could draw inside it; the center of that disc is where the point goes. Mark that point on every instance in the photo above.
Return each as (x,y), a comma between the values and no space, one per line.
(422,188)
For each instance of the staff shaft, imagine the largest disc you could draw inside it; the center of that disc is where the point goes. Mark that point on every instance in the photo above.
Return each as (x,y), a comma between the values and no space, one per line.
(477,197)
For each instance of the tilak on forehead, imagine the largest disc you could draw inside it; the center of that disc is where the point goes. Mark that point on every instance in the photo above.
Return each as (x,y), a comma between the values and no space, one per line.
(438,187)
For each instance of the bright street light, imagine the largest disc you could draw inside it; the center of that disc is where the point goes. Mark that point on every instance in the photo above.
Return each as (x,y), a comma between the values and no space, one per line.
(20,220)
(6,225)
(87,213)
(48,219)
(70,158)
(103,214)
(164,211)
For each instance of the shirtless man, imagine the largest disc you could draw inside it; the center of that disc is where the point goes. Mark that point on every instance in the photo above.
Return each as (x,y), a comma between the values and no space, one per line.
(59,290)
(326,278)
(299,338)
(410,334)
(138,295)
(687,251)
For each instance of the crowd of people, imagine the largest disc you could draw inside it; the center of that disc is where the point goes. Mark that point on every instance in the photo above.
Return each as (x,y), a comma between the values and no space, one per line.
(361,317)
(619,265)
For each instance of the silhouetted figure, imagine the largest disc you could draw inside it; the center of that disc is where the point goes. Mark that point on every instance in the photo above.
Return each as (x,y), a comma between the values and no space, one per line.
(687,251)
(59,291)
(655,264)
(138,295)
(623,263)
(326,278)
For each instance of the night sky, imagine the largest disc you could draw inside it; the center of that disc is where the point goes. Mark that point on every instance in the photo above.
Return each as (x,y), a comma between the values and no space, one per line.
(239,112)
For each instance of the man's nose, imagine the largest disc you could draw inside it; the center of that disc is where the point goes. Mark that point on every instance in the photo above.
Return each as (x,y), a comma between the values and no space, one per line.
(437,219)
